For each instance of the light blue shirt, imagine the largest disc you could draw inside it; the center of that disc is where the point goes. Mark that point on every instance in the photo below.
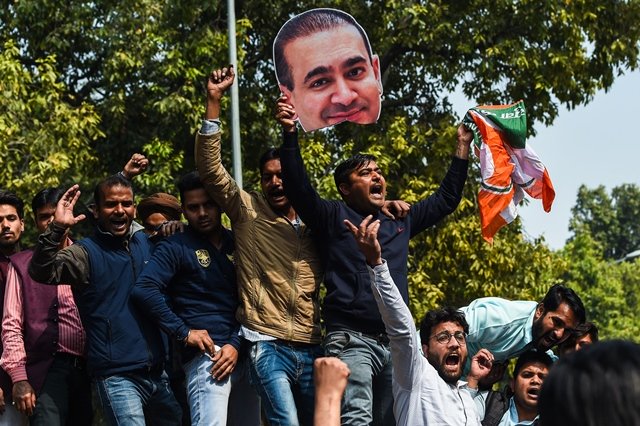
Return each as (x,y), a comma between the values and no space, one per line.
(503,327)
(510,418)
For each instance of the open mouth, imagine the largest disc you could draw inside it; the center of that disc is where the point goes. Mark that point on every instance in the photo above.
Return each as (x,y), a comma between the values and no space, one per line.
(376,191)
(118,224)
(277,193)
(533,392)
(452,360)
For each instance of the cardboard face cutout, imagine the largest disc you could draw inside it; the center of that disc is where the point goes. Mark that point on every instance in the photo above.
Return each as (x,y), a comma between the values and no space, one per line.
(325,67)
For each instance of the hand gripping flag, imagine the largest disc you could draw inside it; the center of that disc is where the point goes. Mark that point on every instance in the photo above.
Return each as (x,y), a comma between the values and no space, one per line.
(508,166)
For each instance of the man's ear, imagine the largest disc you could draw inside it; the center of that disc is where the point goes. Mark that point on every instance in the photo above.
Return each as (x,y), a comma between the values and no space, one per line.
(425,349)
(344,189)
(539,311)
(94,210)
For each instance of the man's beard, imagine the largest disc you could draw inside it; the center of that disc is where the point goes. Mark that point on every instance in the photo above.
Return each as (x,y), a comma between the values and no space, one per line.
(440,366)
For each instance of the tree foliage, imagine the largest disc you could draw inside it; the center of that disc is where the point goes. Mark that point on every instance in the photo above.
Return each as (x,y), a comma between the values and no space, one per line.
(130,77)
(611,220)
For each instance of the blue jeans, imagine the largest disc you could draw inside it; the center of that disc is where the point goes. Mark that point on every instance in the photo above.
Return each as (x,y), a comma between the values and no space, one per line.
(283,376)
(127,397)
(368,398)
(231,401)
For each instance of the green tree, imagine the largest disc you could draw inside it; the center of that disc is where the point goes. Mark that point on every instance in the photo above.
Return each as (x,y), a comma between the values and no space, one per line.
(609,290)
(141,65)
(44,139)
(611,220)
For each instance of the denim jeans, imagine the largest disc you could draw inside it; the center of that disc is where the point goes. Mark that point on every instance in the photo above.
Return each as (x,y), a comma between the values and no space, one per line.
(282,374)
(232,401)
(368,398)
(127,397)
(12,417)
(65,397)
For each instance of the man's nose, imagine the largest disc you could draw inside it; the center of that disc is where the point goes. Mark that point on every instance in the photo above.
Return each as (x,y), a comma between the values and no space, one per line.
(558,333)
(119,209)
(343,93)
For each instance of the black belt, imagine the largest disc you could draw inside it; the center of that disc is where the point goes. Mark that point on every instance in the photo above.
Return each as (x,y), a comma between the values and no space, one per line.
(75,360)
(300,345)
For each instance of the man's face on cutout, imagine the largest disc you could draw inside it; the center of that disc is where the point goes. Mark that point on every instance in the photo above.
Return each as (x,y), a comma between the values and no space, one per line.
(333,78)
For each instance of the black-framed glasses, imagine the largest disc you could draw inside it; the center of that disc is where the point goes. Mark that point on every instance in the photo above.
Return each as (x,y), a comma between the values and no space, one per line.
(444,337)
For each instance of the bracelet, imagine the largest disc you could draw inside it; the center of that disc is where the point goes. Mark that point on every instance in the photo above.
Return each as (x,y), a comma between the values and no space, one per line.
(186,339)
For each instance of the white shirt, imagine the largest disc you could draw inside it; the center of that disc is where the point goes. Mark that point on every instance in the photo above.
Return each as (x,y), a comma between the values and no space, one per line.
(421,396)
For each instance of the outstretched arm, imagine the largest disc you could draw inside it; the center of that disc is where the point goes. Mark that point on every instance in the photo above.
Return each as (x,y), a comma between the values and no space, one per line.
(446,198)
(217,181)
(297,187)
(70,265)
(398,321)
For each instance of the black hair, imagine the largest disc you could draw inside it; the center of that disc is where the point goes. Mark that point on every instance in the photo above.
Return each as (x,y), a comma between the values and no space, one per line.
(268,155)
(531,357)
(9,198)
(438,316)
(304,24)
(46,197)
(344,169)
(189,182)
(598,385)
(588,328)
(109,182)
(558,294)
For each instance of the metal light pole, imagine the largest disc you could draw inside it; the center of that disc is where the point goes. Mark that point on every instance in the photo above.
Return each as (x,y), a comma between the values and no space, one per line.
(235,110)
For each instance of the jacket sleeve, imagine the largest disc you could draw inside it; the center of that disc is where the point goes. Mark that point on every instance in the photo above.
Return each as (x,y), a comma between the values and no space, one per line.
(51,265)
(400,328)
(150,288)
(443,201)
(234,201)
(308,204)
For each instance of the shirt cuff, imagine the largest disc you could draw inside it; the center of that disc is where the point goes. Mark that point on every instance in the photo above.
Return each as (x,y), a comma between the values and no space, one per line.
(18,374)
(209,127)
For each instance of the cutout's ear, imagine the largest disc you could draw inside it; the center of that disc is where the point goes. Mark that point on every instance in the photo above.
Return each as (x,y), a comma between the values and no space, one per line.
(375,64)
(285,91)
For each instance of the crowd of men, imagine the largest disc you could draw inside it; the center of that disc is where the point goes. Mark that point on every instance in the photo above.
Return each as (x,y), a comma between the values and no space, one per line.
(192,323)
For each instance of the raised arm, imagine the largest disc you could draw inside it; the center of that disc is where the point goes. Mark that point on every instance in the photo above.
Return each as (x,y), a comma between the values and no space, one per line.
(217,181)
(395,313)
(297,187)
(446,198)
(49,264)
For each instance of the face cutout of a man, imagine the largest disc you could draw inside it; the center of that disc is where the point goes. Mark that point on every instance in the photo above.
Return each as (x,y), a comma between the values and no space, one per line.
(325,68)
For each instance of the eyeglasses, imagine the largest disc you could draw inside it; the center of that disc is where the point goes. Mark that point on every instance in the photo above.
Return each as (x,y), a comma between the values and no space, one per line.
(444,337)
